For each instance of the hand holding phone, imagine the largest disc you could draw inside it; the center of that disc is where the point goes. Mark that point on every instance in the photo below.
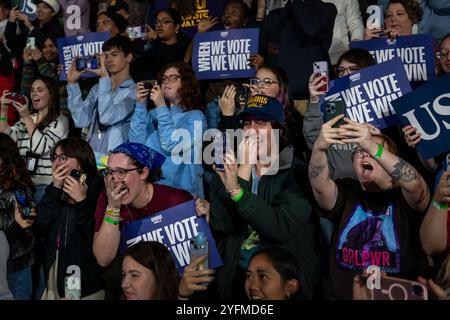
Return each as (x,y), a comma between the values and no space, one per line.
(399,289)
(334,109)
(25,204)
(199,248)
(321,69)
(219,142)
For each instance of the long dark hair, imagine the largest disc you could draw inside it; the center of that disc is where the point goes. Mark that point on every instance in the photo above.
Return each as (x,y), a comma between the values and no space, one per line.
(6,67)
(156,257)
(13,172)
(53,103)
(361,57)
(285,263)
(81,150)
(190,87)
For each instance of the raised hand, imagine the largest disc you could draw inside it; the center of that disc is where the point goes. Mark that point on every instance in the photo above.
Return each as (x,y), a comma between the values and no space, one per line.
(227,102)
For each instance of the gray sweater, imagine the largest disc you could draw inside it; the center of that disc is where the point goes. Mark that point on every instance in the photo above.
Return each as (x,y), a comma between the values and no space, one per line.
(339,156)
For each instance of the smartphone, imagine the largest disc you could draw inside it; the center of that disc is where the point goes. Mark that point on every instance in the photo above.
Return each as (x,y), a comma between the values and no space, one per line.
(321,69)
(149,84)
(31,42)
(400,289)
(241,94)
(24,203)
(219,142)
(89,62)
(375,19)
(200,247)
(18,97)
(138,32)
(332,110)
(77,175)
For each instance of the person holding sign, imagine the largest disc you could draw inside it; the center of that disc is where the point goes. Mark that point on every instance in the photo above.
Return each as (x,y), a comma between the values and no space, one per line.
(339,156)
(259,202)
(109,105)
(46,24)
(131,194)
(378,216)
(401,15)
(177,100)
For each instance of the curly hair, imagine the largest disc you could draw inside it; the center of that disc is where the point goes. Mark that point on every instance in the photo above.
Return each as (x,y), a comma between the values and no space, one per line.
(412,8)
(13,172)
(189,92)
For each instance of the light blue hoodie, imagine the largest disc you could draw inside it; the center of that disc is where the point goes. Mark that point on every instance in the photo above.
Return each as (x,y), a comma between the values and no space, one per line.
(159,129)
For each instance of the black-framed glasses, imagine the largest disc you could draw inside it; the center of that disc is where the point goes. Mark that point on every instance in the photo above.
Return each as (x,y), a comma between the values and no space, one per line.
(359,152)
(341,70)
(119,173)
(266,82)
(61,157)
(170,78)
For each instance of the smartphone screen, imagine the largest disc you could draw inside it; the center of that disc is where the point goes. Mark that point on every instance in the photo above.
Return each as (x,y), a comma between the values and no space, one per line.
(200,247)
(219,141)
(321,68)
(375,19)
(31,43)
(332,110)
(400,289)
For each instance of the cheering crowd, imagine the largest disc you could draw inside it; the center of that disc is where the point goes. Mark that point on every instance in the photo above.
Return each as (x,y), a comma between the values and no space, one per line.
(299,205)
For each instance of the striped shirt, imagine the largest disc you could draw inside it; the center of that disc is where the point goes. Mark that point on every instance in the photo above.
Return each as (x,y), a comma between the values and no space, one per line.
(41,143)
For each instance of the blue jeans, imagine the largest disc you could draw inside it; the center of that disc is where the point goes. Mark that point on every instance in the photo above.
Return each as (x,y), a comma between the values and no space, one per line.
(20,284)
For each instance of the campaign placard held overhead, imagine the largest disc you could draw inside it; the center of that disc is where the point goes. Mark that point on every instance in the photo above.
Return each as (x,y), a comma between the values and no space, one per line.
(368,93)
(416,53)
(428,109)
(173,227)
(29,7)
(86,45)
(225,54)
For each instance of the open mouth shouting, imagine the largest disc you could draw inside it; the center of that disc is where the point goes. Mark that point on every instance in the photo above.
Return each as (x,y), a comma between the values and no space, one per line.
(367,169)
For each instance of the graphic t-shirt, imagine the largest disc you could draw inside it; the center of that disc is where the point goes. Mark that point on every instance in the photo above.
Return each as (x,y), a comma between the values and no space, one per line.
(373,228)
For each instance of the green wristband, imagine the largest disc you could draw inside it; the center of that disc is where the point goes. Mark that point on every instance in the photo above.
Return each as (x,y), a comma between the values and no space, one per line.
(379,152)
(111,221)
(239,196)
(438,205)
(3,119)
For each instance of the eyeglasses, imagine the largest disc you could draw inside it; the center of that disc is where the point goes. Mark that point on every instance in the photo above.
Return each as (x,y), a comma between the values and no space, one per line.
(170,78)
(119,173)
(266,82)
(341,70)
(358,151)
(163,22)
(443,53)
(61,157)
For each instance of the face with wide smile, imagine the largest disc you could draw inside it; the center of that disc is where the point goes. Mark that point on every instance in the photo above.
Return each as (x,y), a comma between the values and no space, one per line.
(40,95)
(264,282)
(397,18)
(49,50)
(138,282)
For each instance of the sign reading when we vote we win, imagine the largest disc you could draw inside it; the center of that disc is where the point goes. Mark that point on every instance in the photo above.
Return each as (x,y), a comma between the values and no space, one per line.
(225,54)
(173,227)
(416,53)
(428,109)
(88,44)
(368,93)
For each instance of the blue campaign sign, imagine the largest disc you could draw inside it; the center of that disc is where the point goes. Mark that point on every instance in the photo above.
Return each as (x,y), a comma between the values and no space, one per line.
(173,227)
(204,9)
(368,93)
(428,109)
(85,45)
(29,7)
(416,53)
(224,54)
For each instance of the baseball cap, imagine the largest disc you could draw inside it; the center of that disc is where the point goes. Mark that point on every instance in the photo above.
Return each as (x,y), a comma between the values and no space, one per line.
(264,108)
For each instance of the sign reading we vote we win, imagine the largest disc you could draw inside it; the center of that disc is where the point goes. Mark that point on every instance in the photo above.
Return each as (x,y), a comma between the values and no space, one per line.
(368,93)
(225,54)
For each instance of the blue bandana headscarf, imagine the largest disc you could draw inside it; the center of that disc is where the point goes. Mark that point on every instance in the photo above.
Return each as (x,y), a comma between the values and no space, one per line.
(144,155)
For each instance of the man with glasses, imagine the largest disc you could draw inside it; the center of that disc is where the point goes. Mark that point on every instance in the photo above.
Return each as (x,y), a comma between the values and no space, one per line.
(131,194)
(377,216)
(108,108)
(445,54)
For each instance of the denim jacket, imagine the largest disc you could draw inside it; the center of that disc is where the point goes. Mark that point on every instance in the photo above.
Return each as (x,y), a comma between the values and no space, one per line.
(106,112)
